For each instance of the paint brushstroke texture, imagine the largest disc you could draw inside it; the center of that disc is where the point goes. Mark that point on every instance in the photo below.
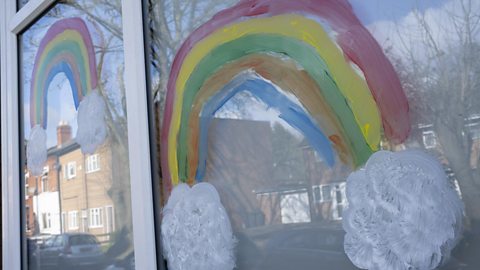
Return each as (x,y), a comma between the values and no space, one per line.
(403,213)
(270,95)
(66,48)
(288,76)
(196,230)
(323,38)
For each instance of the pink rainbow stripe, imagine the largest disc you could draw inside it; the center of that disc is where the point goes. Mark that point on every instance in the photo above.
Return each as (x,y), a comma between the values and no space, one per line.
(354,39)
(39,91)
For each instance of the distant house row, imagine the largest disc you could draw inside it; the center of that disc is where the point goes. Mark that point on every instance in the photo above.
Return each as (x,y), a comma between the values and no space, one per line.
(242,165)
(471,132)
(72,193)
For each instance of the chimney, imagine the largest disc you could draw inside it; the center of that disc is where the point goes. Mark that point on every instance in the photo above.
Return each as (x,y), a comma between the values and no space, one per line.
(64,133)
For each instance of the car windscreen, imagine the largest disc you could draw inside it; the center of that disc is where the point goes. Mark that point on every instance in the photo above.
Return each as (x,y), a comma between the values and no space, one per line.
(78,240)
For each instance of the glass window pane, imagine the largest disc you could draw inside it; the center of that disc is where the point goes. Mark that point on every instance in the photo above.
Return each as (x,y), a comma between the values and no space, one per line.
(284,201)
(21,3)
(72,88)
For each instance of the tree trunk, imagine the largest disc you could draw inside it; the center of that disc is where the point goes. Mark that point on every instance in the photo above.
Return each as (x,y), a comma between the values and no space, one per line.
(458,157)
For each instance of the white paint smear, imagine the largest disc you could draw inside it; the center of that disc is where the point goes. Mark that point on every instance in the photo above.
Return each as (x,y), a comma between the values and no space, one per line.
(37,150)
(196,231)
(403,213)
(91,131)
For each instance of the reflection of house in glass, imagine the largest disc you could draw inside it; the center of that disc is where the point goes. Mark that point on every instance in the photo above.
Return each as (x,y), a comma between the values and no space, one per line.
(425,135)
(75,185)
(328,186)
(269,175)
(42,205)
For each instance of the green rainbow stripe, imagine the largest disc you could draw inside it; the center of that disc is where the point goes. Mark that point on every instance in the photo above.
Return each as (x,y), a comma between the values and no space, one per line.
(287,75)
(66,48)
(351,78)
(303,54)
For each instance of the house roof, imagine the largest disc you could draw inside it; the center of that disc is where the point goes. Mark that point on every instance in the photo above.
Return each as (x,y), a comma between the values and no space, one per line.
(68,147)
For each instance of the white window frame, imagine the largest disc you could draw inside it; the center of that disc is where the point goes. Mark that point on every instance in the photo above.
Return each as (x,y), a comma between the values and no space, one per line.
(44,183)
(95,217)
(90,161)
(47,221)
(26,188)
(73,220)
(322,199)
(12,23)
(342,188)
(44,179)
(64,220)
(108,220)
(427,136)
(70,165)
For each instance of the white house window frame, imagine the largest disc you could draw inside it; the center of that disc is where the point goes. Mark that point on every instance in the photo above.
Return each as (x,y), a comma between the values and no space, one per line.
(13,23)
(44,180)
(95,218)
(109,220)
(92,163)
(71,170)
(72,220)
(429,139)
(64,221)
(339,188)
(320,197)
(46,220)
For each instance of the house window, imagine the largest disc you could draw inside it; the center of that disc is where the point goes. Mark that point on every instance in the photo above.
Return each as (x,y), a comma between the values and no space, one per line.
(322,193)
(339,200)
(475,133)
(58,67)
(429,139)
(96,218)
(44,179)
(27,221)
(47,220)
(71,170)
(73,220)
(316,193)
(44,183)
(93,163)
(26,190)
(64,220)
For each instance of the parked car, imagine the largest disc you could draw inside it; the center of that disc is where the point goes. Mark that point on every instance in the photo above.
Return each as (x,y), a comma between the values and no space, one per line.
(71,250)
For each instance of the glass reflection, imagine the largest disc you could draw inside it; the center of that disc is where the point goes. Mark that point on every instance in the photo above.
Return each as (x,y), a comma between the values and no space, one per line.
(284,203)
(77,211)
(21,3)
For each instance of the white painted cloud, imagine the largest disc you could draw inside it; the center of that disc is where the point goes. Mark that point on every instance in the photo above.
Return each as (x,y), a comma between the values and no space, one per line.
(403,213)
(37,150)
(196,230)
(92,129)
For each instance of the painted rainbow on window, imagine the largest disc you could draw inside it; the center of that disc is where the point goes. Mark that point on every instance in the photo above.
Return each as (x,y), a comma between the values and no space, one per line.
(314,50)
(66,48)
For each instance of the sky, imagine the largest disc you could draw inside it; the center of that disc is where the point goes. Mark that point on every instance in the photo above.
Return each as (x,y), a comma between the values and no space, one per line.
(380,16)
(59,95)
(403,33)
(370,11)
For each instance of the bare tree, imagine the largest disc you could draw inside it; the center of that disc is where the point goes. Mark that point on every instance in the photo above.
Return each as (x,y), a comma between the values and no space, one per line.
(443,89)
(170,22)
